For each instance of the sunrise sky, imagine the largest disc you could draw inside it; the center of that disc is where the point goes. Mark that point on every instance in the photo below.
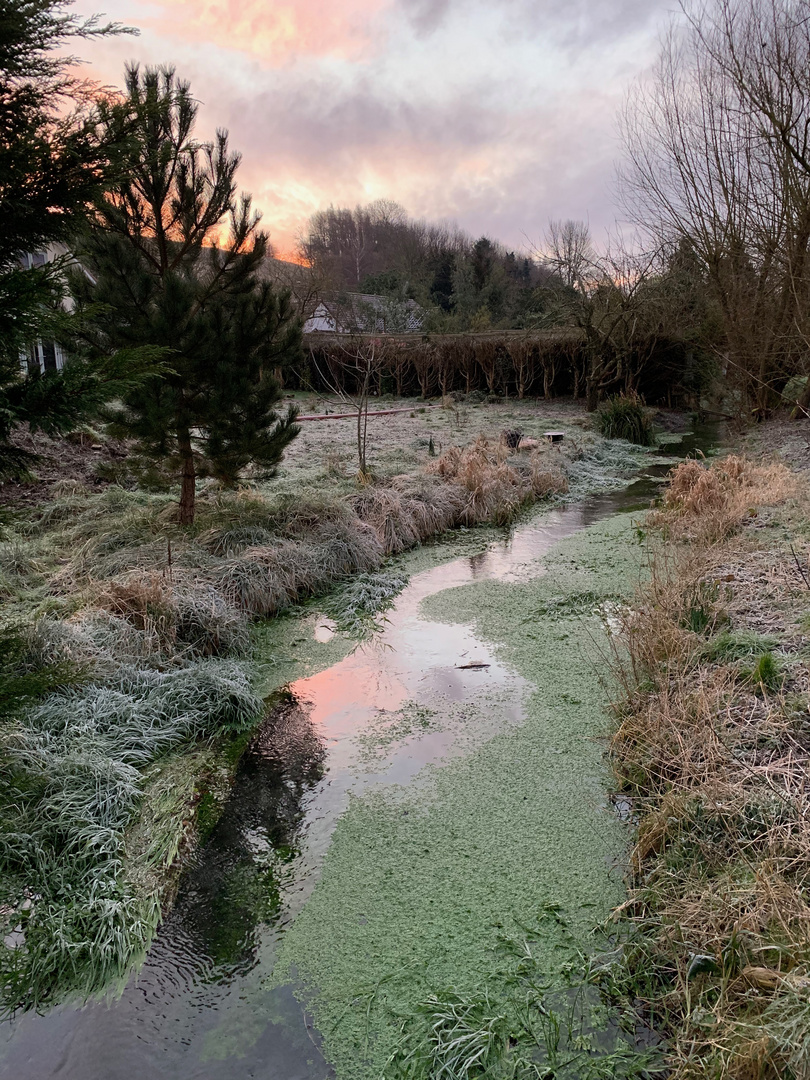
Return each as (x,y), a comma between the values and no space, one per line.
(497,114)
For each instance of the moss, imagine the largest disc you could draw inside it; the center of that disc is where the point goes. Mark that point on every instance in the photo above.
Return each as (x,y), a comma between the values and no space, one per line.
(420,884)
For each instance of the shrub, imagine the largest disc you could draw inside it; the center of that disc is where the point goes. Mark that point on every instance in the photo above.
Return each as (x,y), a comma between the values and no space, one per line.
(624,417)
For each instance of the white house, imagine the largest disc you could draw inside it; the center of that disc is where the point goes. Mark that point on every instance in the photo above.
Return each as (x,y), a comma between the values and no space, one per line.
(363,313)
(42,355)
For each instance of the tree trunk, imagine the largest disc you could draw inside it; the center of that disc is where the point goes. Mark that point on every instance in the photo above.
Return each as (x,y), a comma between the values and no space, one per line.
(801,409)
(188,480)
(591,392)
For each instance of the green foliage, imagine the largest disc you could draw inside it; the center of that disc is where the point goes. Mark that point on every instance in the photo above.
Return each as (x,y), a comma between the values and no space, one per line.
(158,281)
(57,152)
(766,674)
(729,646)
(528,1022)
(464,1038)
(23,680)
(701,612)
(623,417)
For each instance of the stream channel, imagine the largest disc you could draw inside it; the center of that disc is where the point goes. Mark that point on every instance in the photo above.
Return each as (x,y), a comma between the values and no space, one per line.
(203,1005)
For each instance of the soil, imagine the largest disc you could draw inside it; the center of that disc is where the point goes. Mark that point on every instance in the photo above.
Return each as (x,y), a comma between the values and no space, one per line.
(62,464)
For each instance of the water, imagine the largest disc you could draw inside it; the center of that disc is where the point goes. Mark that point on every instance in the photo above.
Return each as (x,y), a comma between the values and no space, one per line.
(199,1008)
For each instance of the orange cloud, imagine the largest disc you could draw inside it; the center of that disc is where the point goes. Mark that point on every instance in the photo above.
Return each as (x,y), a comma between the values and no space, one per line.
(280,30)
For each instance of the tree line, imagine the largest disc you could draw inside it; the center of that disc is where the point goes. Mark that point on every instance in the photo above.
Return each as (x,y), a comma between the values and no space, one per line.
(460,282)
(179,330)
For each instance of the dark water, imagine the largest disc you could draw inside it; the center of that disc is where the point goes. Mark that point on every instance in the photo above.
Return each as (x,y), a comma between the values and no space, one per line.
(200,1008)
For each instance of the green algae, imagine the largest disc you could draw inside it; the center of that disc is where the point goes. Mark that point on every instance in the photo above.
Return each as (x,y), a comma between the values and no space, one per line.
(389,728)
(421,883)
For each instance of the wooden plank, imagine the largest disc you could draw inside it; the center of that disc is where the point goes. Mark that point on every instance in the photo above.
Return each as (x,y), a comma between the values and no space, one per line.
(353,415)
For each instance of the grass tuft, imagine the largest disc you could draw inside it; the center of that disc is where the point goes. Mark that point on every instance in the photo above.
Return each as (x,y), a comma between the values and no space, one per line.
(624,417)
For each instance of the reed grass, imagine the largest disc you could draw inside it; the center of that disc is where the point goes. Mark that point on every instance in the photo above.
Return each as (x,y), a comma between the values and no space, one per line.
(710,747)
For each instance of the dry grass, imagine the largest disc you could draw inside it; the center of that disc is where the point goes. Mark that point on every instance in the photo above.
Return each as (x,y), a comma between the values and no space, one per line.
(710,500)
(714,758)
(494,488)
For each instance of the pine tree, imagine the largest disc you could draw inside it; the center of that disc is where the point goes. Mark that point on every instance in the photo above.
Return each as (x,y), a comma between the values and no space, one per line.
(175,259)
(55,157)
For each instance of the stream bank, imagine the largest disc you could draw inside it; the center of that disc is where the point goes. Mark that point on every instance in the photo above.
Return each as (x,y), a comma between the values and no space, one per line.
(207,1003)
(711,748)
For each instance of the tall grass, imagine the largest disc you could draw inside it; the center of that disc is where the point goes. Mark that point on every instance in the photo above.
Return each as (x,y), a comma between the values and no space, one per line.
(75,766)
(709,753)
(491,488)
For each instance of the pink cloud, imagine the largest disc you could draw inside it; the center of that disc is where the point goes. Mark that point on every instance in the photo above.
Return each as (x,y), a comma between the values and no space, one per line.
(277,31)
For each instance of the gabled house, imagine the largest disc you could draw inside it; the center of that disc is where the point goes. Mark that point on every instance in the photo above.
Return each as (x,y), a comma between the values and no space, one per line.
(363,313)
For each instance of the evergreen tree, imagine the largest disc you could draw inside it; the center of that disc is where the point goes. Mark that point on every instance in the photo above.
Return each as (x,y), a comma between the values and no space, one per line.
(174,258)
(55,157)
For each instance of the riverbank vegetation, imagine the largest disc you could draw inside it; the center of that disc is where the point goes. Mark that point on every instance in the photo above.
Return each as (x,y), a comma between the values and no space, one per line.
(134,635)
(711,754)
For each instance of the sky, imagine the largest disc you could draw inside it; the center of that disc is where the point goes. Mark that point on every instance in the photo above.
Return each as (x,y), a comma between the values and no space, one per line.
(496,114)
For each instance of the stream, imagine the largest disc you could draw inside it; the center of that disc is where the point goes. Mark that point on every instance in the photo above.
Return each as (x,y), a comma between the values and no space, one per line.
(202,1007)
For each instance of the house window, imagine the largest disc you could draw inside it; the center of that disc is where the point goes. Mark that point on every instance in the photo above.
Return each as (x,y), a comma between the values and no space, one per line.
(43,356)
(30,260)
(49,356)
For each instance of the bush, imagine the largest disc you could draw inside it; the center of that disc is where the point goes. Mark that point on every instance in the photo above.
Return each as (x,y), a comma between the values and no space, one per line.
(624,417)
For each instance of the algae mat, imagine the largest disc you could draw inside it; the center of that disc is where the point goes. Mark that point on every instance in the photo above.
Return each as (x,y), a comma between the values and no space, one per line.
(421,883)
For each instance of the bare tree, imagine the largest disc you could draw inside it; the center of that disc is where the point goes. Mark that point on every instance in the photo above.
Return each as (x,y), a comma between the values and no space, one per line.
(569,252)
(352,377)
(717,153)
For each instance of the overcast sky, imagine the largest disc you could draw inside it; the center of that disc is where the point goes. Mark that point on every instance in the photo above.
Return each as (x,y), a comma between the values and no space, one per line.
(499,114)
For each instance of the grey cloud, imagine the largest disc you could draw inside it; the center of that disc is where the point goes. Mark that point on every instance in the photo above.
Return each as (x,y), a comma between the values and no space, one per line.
(585,22)
(570,23)
(313,121)
(426,16)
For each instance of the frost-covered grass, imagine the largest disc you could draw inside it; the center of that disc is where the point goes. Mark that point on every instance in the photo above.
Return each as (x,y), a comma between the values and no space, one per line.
(356,608)
(74,765)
